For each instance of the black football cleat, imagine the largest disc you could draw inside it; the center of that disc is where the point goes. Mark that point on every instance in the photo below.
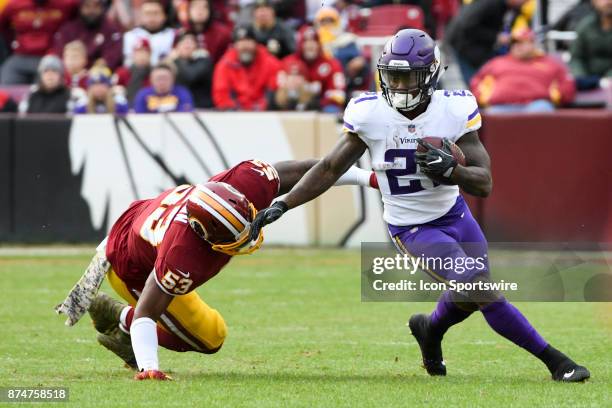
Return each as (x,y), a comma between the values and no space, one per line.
(571,373)
(430,344)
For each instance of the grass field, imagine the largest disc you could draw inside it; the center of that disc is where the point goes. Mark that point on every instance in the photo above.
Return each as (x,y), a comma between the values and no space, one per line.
(298,336)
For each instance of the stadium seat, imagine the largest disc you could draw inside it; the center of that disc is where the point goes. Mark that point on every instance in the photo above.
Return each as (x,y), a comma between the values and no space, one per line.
(596,98)
(386,20)
(17,92)
(443,11)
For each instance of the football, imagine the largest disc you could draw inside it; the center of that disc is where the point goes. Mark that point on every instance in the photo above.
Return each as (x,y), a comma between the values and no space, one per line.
(437,142)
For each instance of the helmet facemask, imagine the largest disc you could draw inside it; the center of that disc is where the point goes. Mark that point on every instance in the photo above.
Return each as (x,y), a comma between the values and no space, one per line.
(242,245)
(406,86)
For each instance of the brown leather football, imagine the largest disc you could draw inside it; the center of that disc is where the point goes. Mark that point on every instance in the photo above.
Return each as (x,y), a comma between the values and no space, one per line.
(437,142)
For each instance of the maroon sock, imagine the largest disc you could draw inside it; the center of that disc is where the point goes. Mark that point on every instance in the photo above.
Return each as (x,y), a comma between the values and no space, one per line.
(129,318)
(172,342)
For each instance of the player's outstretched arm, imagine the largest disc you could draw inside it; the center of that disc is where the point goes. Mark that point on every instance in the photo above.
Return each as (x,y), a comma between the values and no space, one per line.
(475,177)
(327,171)
(291,171)
(315,182)
(143,331)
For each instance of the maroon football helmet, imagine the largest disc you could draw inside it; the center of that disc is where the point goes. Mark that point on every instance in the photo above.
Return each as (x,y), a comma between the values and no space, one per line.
(222,215)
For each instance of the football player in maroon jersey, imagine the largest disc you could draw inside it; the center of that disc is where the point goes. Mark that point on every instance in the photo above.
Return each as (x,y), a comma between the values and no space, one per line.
(161,249)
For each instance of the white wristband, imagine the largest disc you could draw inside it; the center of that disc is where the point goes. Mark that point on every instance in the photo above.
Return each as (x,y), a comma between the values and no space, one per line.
(354,176)
(144,342)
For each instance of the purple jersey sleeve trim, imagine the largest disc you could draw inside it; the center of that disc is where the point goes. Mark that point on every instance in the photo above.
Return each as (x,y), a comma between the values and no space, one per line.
(349,126)
(473,114)
(366,98)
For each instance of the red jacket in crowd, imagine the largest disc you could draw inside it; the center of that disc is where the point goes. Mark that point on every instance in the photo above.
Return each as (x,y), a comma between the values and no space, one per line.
(509,80)
(325,75)
(236,86)
(103,42)
(29,25)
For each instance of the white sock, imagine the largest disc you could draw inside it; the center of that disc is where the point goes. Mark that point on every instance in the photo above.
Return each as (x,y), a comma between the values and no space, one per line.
(144,342)
(354,176)
(123,319)
(124,314)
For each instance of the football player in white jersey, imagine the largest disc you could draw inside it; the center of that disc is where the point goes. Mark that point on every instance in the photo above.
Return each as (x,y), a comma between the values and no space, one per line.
(423,208)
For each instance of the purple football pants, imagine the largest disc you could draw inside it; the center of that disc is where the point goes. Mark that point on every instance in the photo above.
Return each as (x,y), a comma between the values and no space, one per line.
(457,235)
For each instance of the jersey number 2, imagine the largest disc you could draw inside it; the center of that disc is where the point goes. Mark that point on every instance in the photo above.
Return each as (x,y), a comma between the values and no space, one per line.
(392,174)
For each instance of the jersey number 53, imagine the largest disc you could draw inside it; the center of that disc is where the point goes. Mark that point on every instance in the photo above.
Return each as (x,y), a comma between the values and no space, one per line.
(176,284)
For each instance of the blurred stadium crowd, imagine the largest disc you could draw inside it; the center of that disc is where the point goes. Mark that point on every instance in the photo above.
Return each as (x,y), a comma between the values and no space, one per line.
(115,56)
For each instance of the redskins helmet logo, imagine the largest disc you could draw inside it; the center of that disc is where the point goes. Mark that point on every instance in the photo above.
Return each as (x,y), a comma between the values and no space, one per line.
(199,229)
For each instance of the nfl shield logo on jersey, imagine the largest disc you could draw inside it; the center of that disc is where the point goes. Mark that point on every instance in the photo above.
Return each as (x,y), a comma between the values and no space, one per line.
(411,128)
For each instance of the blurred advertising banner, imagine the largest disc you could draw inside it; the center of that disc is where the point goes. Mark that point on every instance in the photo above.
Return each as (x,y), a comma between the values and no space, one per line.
(67,179)
(73,178)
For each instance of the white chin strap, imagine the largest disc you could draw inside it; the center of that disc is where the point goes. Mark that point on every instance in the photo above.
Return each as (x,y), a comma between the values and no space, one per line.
(404,100)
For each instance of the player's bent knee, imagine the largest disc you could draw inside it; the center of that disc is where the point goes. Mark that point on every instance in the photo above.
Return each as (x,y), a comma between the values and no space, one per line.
(220,331)
(463,302)
(203,323)
(215,335)
(482,296)
(211,331)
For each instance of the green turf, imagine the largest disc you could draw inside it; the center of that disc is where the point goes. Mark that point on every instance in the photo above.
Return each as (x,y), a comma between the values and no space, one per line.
(298,336)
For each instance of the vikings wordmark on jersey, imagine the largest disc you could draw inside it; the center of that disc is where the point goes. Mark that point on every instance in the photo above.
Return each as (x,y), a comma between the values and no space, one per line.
(410,197)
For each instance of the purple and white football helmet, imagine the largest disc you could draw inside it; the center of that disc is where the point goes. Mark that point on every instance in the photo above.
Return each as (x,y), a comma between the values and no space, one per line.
(408,69)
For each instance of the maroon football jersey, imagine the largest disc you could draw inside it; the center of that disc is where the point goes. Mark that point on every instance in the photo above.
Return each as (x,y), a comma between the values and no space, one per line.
(154,235)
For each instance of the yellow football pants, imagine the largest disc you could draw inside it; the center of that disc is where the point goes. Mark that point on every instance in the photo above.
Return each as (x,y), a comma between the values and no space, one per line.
(188,324)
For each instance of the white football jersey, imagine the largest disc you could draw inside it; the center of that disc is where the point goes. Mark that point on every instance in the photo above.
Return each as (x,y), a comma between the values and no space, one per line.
(409,197)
